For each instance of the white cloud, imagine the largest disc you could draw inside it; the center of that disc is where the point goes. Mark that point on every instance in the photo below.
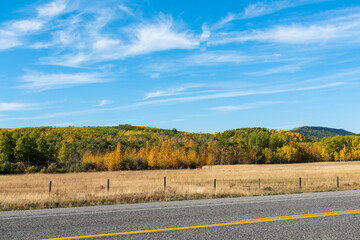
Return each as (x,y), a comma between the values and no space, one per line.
(333,29)
(218,57)
(27,25)
(54,115)
(39,45)
(37,81)
(262,8)
(126,9)
(8,40)
(106,44)
(52,9)
(208,58)
(244,106)
(138,39)
(205,33)
(104,102)
(154,75)
(158,36)
(289,68)
(231,94)
(17,106)
(14,33)
(171,91)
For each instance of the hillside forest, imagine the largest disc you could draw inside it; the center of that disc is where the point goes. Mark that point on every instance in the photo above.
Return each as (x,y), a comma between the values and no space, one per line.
(126,147)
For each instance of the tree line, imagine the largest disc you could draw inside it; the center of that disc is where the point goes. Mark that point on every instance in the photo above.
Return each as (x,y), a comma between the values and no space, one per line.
(126,147)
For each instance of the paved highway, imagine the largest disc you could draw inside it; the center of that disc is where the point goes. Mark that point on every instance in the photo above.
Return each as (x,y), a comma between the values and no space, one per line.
(332,215)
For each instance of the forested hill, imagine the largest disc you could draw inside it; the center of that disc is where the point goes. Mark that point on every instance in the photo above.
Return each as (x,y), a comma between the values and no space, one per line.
(126,147)
(320,132)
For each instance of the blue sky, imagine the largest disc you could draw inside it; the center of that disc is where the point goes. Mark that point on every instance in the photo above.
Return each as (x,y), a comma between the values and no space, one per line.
(192,65)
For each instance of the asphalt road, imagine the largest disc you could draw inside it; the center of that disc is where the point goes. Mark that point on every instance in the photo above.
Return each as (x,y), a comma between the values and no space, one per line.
(318,216)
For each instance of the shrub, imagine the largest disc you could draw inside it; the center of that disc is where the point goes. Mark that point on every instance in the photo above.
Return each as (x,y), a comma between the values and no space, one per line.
(31,169)
(134,163)
(52,168)
(8,168)
(88,166)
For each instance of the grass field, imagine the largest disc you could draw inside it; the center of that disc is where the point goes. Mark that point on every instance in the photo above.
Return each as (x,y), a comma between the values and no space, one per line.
(80,189)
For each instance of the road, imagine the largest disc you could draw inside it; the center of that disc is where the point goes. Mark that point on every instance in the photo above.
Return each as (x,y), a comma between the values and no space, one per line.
(329,215)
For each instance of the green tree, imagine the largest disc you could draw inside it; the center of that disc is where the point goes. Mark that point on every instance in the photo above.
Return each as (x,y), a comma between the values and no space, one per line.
(278,141)
(64,154)
(26,149)
(43,151)
(259,141)
(7,146)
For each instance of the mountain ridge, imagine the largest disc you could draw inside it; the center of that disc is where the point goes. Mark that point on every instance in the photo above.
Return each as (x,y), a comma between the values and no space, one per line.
(317,132)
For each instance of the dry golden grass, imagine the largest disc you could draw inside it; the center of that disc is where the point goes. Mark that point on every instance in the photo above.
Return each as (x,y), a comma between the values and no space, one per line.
(79,189)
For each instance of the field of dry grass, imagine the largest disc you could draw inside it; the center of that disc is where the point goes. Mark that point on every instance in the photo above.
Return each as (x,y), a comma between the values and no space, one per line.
(80,189)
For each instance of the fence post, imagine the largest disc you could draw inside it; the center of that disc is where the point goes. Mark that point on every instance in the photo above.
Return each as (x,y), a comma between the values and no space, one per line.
(50,187)
(108,185)
(214,183)
(164,183)
(337,181)
(259,184)
(300,183)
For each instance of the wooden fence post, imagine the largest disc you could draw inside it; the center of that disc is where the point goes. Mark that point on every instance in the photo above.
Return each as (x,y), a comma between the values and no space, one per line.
(259,184)
(108,185)
(214,183)
(164,183)
(300,183)
(50,187)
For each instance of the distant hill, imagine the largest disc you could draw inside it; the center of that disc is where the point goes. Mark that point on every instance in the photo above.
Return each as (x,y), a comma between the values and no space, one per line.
(320,132)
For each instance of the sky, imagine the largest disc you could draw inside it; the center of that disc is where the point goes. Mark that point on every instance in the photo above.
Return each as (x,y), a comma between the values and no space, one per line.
(198,66)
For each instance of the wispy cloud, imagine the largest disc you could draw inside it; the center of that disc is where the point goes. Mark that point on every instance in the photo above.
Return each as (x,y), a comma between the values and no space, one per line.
(13,33)
(146,37)
(231,94)
(247,106)
(8,40)
(262,8)
(345,28)
(27,25)
(171,91)
(288,68)
(219,57)
(210,58)
(202,97)
(38,81)
(206,33)
(18,106)
(54,115)
(104,102)
(126,9)
(53,8)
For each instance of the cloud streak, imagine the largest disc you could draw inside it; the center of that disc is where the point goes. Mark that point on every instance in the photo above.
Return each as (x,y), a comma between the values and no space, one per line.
(18,106)
(231,94)
(14,33)
(346,28)
(228,94)
(262,8)
(37,81)
(248,106)
(141,38)
(171,91)
(52,9)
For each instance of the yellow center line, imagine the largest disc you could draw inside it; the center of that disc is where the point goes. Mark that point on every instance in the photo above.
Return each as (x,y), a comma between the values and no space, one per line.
(256,220)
